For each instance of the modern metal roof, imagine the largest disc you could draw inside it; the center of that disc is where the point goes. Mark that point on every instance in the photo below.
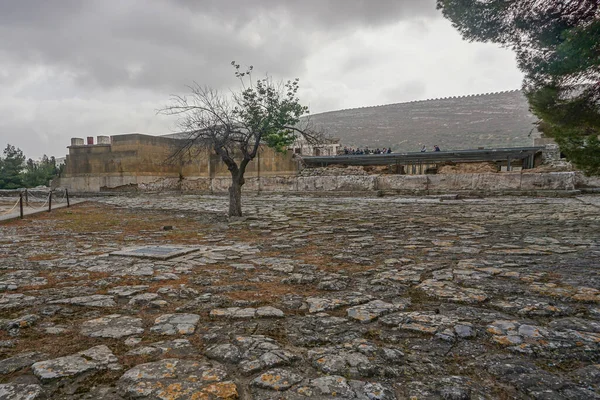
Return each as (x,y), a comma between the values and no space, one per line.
(468,155)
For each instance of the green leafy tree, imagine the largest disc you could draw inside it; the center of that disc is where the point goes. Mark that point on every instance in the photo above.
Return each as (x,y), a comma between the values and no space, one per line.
(39,173)
(262,112)
(11,166)
(557,44)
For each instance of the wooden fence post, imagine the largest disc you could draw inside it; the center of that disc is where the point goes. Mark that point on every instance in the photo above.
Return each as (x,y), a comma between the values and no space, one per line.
(50,201)
(21,204)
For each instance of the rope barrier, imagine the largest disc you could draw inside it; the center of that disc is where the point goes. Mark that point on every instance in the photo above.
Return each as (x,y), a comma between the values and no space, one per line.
(13,207)
(61,199)
(31,195)
(32,198)
(40,207)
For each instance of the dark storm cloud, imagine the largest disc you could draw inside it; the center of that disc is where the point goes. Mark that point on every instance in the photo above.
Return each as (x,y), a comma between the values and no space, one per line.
(163,45)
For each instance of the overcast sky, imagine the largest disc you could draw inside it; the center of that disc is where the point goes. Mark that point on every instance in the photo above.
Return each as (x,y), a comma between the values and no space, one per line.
(78,68)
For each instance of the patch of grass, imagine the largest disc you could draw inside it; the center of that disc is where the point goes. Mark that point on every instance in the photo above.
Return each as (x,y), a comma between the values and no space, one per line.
(44,257)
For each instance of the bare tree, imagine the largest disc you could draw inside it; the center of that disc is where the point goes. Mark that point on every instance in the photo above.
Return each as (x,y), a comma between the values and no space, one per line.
(262,112)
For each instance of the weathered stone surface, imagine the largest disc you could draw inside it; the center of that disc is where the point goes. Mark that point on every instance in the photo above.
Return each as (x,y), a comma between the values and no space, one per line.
(332,386)
(423,297)
(19,361)
(246,313)
(92,360)
(175,324)
(177,379)
(113,326)
(13,326)
(15,300)
(318,304)
(227,353)
(127,291)
(452,292)
(173,347)
(372,310)
(97,300)
(142,299)
(277,379)
(21,391)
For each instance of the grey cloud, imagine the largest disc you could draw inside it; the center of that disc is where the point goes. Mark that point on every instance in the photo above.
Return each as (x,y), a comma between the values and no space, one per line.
(326,14)
(163,44)
(406,91)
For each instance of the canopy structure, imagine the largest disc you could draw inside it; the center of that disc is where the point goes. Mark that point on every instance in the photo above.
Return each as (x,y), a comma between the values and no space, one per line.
(525,155)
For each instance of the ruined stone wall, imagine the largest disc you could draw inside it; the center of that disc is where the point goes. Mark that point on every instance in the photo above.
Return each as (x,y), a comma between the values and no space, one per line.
(513,182)
(136,161)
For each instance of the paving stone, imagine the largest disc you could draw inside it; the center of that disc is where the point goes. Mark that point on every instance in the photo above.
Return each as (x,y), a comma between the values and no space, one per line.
(372,310)
(269,312)
(89,361)
(334,386)
(246,313)
(97,300)
(177,379)
(127,291)
(175,347)
(318,304)
(452,292)
(143,298)
(173,324)
(422,322)
(502,290)
(16,300)
(21,391)
(277,379)
(225,353)
(13,326)
(20,361)
(113,326)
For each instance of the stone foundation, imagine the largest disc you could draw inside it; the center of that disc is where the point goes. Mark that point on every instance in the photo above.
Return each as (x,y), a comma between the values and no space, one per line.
(398,184)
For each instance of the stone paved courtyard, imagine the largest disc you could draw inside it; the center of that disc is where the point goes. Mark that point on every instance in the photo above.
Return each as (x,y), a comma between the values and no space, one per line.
(305,297)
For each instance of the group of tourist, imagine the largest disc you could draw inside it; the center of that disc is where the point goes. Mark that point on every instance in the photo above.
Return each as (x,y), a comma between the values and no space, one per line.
(351,151)
(358,151)
(435,148)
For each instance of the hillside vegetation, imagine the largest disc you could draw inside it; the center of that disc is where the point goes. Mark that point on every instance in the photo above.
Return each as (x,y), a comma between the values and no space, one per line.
(488,120)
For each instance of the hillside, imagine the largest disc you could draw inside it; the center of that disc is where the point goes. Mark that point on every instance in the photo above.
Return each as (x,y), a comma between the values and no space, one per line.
(487,120)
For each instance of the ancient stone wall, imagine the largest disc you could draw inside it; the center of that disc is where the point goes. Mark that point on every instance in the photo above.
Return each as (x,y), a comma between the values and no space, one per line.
(486,183)
(136,161)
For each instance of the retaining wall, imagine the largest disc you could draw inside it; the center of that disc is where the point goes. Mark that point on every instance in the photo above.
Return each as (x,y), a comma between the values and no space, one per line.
(400,184)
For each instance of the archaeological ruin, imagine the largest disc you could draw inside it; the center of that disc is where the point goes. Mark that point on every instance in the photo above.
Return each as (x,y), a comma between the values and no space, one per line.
(488,142)
(143,288)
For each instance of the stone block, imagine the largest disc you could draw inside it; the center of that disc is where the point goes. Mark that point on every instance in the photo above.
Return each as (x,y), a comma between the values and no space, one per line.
(409,183)
(496,182)
(583,182)
(450,182)
(548,181)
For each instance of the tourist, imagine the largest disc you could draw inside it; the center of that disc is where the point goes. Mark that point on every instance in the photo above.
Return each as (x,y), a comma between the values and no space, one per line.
(389,150)
(436,148)
(423,149)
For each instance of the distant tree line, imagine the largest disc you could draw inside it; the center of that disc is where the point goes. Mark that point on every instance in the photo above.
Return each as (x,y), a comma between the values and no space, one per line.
(16,172)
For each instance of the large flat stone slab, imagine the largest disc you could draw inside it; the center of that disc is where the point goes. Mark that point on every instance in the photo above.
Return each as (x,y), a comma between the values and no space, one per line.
(177,379)
(113,326)
(91,360)
(155,252)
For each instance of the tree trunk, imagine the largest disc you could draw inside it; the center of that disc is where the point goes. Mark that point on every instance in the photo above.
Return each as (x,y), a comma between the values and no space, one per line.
(235,197)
